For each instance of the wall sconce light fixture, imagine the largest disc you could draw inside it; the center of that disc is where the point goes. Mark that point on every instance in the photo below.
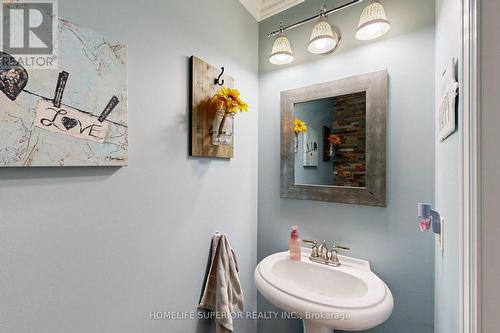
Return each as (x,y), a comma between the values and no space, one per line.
(325,38)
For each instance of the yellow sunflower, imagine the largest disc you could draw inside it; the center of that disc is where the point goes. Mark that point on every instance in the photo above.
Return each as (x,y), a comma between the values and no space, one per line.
(299,126)
(230,100)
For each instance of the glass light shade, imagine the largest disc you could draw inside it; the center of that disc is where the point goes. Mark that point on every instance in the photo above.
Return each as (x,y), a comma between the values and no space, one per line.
(281,53)
(373,22)
(323,39)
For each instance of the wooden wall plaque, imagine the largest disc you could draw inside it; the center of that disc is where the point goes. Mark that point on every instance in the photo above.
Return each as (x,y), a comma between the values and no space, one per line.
(203,87)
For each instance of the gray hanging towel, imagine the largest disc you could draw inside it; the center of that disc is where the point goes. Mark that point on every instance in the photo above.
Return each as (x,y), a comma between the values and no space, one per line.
(222,292)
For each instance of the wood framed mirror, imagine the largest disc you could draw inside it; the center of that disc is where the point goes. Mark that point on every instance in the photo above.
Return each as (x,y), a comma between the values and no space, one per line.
(333,141)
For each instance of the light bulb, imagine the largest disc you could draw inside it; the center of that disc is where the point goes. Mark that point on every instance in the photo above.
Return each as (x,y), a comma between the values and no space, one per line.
(321,43)
(374,28)
(281,59)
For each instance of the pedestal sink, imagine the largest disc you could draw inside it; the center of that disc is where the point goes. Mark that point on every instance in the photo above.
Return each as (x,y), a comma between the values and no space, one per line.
(350,297)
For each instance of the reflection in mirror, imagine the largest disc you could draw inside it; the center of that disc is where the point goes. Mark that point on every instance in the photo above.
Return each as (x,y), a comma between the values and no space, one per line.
(331,141)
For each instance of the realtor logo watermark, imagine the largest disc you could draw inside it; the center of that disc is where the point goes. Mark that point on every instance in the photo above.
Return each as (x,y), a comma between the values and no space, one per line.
(247,315)
(29,32)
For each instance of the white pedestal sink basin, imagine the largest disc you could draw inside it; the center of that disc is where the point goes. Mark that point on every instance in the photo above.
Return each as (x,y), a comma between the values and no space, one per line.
(350,297)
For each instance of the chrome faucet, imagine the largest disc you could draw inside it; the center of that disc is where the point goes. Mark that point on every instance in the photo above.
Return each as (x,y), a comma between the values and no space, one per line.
(323,251)
(321,255)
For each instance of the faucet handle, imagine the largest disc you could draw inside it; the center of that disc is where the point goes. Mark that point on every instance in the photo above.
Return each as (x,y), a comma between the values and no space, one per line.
(314,249)
(334,259)
(343,248)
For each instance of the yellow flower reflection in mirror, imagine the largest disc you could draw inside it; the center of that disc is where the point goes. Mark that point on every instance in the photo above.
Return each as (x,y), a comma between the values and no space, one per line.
(334,139)
(299,126)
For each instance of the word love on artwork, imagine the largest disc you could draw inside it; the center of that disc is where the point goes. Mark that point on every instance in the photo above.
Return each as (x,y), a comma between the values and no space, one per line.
(69,121)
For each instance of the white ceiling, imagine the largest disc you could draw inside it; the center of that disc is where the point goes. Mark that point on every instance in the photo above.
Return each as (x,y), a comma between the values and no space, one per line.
(262,9)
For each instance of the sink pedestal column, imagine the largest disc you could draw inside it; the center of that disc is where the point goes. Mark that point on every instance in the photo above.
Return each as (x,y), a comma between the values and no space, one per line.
(313,327)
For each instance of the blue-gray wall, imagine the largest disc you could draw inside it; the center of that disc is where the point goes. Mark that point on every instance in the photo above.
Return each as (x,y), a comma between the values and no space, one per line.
(387,237)
(447,178)
(316,114)
(87,250)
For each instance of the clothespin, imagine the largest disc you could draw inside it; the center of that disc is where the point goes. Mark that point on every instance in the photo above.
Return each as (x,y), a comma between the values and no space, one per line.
(61,84)
(110,107)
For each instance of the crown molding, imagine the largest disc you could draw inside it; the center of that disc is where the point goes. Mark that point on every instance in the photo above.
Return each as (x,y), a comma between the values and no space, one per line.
(253,7)
(262,9)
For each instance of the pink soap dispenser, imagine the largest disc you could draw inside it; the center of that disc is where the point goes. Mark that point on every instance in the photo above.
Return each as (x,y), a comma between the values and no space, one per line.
(295,250)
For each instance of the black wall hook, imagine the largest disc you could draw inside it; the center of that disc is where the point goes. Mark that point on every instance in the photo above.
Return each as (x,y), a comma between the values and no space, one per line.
(218,81)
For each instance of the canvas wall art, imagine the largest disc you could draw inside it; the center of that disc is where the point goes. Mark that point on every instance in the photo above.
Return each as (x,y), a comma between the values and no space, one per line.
(73,116)
(311,148)
(448,100)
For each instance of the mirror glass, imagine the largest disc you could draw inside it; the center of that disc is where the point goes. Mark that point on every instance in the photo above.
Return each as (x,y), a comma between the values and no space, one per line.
(330,141)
